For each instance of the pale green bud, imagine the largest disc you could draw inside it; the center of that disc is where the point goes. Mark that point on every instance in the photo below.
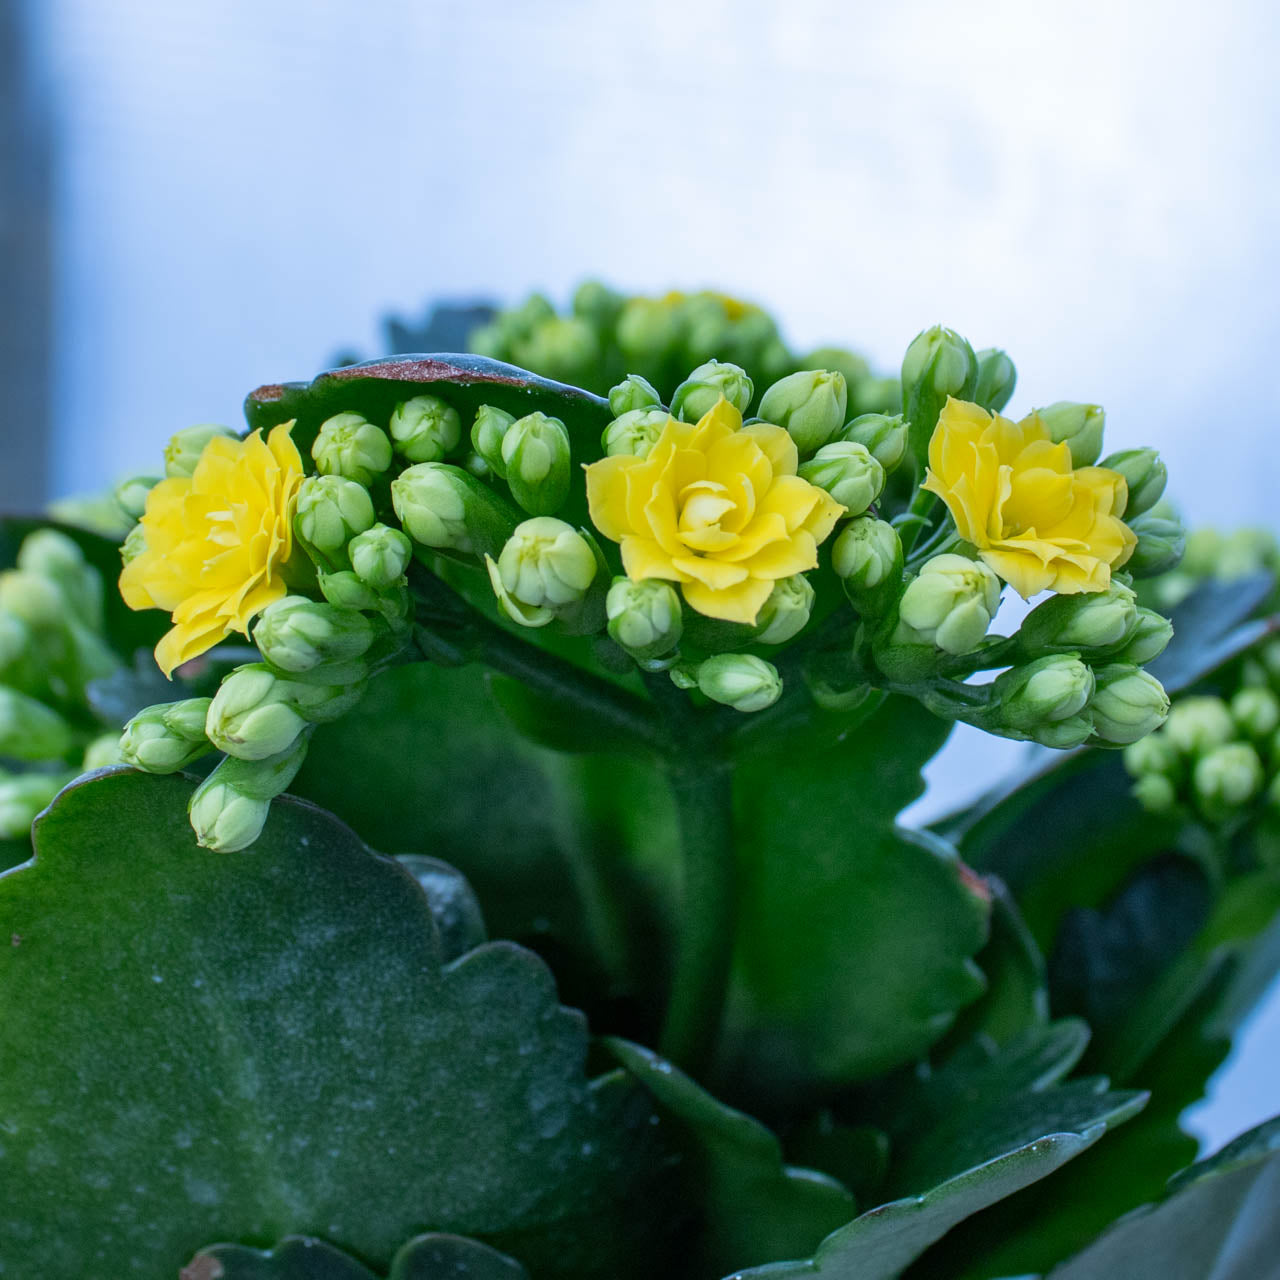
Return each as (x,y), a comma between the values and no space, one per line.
(1128,703)
(597,304)
(15,640)
(1053,688)
(1149,640)
(297,634)
(1152,754)
(1064,735)
(1144,473)
(487,433)
(644,617)
(252,716)
(32,599)
(740,680)
(786,611)
(349,445)
(1093,622)
(519,322)
(331,510)
(1248,551)
(101,752)
(996,380)
(1226,778)
(938,363)
(1257,711)
(134,544)
(50,554)
(380,556)
(648,329)
(1155,793)
(1199,724)
(425,429)
(131,494)
(562,347)
(848,472)
(883,435)
(487,340)
(839,360)
(635,432)
(633,392)
(1078,426)
(185,447)
(810,405)
(346,590)
(22,797)
(535,453)
(1161,540)
(448,508)
(166,737)
(700,392)
(875,395)
(29,730)
(950,604)
(545,567)
(867,553)
(229,808)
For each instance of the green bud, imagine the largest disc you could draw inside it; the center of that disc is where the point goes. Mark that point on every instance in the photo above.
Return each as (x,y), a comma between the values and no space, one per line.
(938,363)
(1145,475)
(740,681)
(648,330)
(1199,724)
(1128,703)
(297,634)
(884,437)
(545,567)
(1091,622)
(348,445)
(186,446)
(1050,689)
(29,730)
(597,304)
(32,599)
(1152,754)
(562,347)
(331,510)
(102,752)
(22,797)
(252,716)
(875,395)
(644,617)
(519,322)
(448,508)
(131,493)
(346,590)
(1248,551)
(786,610)
(1161,540)
(1226,778)
(1150,638)
(701,391)
(134,544)
(380,555)
(633,392)
(851,366)
(1064,735)
(866,553)
(166,737)
(996,380)
(635,432)
(50,554)
(229,808)
(425,429)
(1078,426)
(487,432)
(15,642)
(810,405)
(1155,793)
(848,472)
(950,604)
(535,453)
(488,340)
(1256,711)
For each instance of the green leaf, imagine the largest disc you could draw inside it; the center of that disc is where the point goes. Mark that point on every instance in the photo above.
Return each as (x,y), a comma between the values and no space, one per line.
(201,1046)
(457,915)
(751,1208)
(856,937)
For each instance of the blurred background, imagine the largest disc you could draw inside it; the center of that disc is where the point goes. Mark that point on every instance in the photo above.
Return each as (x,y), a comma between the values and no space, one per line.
(199,198)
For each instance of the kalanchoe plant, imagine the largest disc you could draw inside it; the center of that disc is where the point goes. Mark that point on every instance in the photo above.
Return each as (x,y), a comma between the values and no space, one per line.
(638,689)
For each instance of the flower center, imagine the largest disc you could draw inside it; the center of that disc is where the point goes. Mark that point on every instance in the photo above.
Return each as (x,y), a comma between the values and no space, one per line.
(702,505)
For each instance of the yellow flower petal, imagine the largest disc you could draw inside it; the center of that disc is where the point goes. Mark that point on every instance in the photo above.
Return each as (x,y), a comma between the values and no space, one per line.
(740,603)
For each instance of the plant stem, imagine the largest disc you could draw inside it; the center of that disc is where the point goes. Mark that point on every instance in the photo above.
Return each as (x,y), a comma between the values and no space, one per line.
(918,512)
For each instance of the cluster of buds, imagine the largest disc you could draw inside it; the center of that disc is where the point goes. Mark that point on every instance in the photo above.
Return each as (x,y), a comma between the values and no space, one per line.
(1212,556)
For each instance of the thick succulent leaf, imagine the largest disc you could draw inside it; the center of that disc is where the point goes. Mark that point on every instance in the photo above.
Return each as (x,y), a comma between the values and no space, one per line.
(1218,1221)
(201,1047)
(750,1207)
(457,915)
(856,937)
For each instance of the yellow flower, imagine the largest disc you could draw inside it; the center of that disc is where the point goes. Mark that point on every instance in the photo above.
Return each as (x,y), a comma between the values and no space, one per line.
(216,542)
(716,507)
(1013,494)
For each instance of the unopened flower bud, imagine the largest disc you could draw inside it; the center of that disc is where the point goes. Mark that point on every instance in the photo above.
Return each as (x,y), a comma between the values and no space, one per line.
(1257,711)
(487,431)
(867,553)
(1144,473)
(546,566)
(29,730)
(252,715)
(22,797)
(447,508)
(134,544)
(1093,622)
(166,737)
(1152,754)
(562,347)
(644,617)
(1063,735)
(331,510)
(488,340)
(1226,778)
(1199,724)
(635,432)
(703,388)
(883,435)
(740,680)
(996,380)
(50,554)
(520,321)
(102,752)
(380,555)
(810,404)
(1078,426)
(15,642)
(848,472)
(786,610)
(633,392)
(1050,689)
(1155,793)
(1128,703)
(229,808)
(597,304)
(875,395)
(185,447)
(32,599)
(131,493)
(535,453)
(1161,541)
(425,429)
(349,445)
(297,634)
(648,330)
(1150,638)
(950,604)
(347,590)
(938,363)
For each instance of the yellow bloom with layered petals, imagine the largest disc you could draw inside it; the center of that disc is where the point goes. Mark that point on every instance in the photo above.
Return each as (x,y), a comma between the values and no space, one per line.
(1039,523)
(216,542)
(716,507)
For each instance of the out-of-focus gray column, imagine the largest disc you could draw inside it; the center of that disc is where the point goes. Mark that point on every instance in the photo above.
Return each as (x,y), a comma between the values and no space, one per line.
(25,275)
